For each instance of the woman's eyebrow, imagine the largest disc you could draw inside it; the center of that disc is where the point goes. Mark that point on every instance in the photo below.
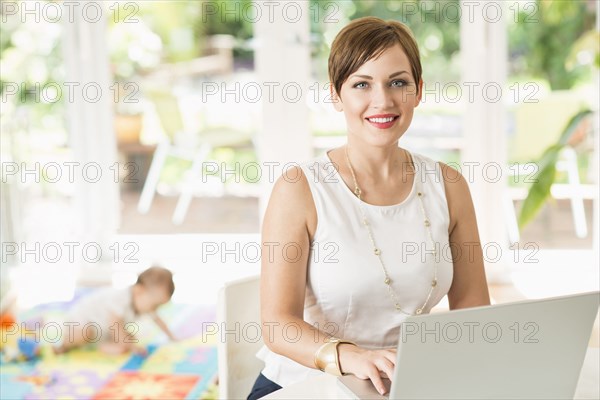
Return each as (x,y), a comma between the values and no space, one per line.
(370,77)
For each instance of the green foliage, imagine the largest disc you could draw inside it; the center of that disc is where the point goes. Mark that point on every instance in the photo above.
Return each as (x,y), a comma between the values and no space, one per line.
(540,189)
(31,57)
(588,47)
(230,24)
(164,32)
(434,24)
(238,24)
(31,62)
(427,20)
(541,35)
(542,39)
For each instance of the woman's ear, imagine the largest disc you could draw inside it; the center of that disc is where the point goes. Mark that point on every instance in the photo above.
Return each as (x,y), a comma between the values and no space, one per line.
(419,94)
(337,102)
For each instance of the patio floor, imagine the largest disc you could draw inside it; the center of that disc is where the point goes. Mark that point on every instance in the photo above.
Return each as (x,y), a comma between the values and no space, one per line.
(552,228)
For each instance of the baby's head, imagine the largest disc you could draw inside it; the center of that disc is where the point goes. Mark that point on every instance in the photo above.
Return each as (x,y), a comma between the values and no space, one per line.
(154,287)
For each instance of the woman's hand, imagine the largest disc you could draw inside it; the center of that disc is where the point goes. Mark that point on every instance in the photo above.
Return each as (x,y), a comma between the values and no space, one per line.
(367,364)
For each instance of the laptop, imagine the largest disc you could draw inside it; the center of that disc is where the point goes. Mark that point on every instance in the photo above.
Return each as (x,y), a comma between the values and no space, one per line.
(531,349)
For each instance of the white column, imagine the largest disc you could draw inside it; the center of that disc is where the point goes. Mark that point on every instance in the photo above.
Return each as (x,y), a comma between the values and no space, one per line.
(282,59)
(595,159)
(90,126)
(484,53)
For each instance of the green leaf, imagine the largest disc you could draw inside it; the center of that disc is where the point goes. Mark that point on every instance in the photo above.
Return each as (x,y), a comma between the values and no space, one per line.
(540,189)
(572,126)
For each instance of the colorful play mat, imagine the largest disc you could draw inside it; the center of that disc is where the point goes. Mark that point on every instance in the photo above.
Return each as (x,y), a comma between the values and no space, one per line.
(186,369)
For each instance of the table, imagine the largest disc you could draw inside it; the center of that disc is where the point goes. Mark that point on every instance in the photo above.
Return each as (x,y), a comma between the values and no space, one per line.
(325,386)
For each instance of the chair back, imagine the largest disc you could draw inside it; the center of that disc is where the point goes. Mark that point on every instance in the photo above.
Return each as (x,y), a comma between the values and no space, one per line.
(168,111)
(240,338)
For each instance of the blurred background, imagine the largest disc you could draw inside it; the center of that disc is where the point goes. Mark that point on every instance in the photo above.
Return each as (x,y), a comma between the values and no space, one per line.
(167,162)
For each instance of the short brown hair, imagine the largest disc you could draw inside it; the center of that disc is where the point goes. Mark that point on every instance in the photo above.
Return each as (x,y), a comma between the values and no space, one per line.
(366,38)
(157,276)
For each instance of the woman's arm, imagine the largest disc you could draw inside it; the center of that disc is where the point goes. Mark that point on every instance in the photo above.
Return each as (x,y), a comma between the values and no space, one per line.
(285,248)
(469,286)
(289,222)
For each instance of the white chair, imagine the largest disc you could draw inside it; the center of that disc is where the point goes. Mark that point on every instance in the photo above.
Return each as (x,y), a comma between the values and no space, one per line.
(238,318)
(185,145)
(539,124)
(573,190)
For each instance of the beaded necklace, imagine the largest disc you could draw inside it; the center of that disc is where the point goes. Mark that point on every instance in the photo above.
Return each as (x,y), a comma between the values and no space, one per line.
(377,251)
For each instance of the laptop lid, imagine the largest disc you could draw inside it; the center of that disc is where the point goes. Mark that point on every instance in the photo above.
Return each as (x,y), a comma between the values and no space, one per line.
(528,349)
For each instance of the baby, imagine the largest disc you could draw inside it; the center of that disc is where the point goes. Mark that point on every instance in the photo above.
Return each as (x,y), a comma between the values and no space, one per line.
(108,315)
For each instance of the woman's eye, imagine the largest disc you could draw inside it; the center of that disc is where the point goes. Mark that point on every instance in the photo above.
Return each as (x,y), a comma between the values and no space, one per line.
(396,83)
(399,83)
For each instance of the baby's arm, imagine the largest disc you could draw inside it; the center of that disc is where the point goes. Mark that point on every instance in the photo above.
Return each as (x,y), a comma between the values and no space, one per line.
(163,327)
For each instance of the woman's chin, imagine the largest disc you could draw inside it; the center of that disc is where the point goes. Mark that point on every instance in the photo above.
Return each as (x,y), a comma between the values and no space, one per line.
(382,139)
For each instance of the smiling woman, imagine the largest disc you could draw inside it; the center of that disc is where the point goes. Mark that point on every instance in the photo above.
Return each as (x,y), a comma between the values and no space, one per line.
(379,107)
(391,215)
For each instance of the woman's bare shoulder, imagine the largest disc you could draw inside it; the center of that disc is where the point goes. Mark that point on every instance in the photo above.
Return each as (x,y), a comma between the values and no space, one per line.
(457,190)
(291,201)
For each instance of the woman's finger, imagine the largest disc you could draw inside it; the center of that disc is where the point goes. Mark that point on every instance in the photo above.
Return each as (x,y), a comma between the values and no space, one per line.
(376,379)
(386,367)
(390,356)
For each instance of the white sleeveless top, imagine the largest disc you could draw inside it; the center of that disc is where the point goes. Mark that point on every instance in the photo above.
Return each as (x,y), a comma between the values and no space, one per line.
(345,292)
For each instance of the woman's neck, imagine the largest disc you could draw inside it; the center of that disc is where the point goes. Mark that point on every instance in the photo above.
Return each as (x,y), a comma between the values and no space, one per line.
(381,164)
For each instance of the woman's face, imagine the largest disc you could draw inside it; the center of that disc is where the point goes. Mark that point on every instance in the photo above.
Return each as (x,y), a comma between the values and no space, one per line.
(378,99)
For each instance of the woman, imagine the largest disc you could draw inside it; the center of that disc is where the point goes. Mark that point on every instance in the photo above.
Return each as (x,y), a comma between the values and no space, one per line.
(379,233)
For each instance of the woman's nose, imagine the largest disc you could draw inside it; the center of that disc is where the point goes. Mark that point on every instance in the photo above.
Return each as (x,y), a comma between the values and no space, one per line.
(382,97)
